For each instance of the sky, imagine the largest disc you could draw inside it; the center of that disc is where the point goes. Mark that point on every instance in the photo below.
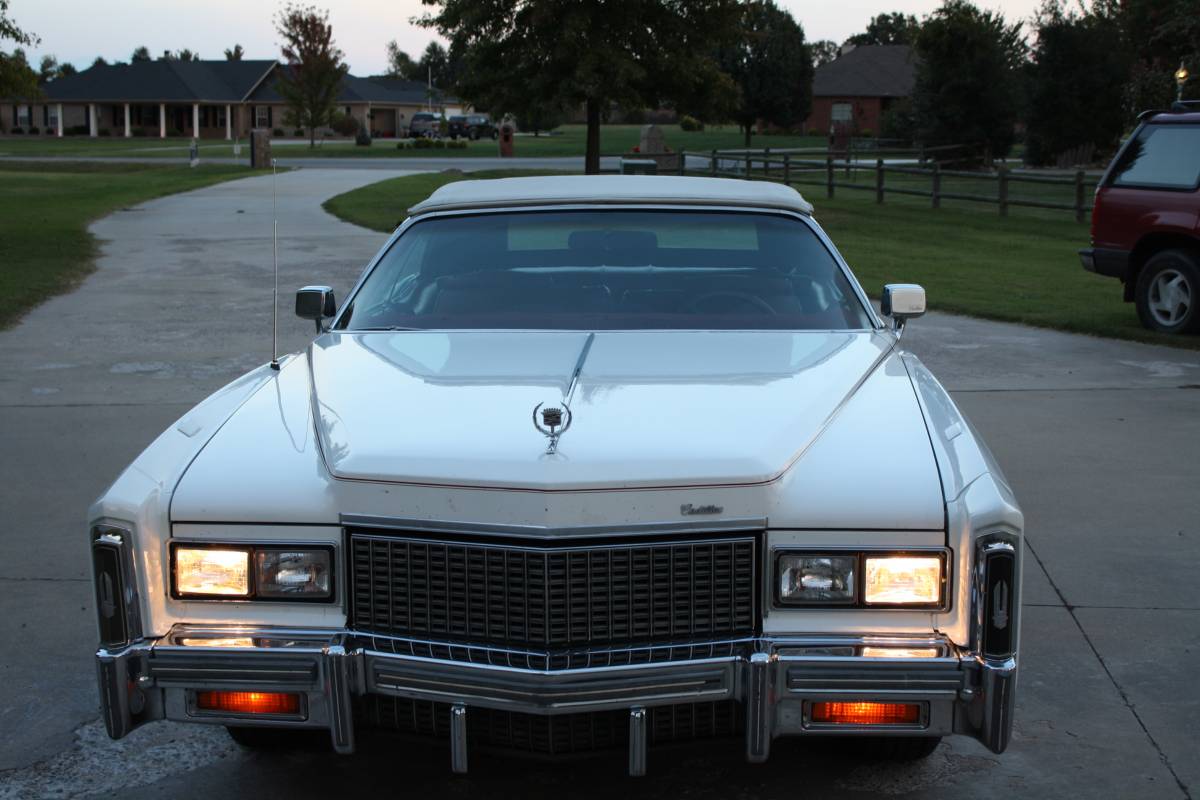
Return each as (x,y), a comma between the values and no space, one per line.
(77,31)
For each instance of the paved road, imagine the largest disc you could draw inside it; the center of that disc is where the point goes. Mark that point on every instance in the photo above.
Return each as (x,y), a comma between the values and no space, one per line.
(1099,438)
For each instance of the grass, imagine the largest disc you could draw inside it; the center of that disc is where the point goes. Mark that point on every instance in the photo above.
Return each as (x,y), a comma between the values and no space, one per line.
(1023,268)
(45,208)
(569,140)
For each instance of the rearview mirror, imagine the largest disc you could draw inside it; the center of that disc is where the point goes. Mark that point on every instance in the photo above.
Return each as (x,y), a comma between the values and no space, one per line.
(902,302)
(315,303)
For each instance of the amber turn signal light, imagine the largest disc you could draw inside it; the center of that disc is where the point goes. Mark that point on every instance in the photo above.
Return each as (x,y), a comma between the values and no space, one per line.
(278,703)
(866,713)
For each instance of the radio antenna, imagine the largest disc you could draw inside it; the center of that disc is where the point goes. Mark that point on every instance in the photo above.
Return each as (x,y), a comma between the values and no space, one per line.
(275,259)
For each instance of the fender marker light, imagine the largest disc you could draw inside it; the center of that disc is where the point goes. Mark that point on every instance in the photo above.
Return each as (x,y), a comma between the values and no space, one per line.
(274,703)
(866,713)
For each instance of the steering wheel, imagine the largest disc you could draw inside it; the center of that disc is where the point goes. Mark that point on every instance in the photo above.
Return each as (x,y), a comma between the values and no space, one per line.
(742,297)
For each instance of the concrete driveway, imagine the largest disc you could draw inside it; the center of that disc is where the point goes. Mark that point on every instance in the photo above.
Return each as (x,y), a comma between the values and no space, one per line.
(1098,437)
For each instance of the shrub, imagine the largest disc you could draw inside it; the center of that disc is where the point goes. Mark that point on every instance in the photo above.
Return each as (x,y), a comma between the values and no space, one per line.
(33,129)
(813,132)
(401,145)
(362,138)
(76,130)
(140,132)
(278,133)
(298,133)
(105,132)
(457,144)
(345,125)
(422,143)
(440,144)
(176,132)
(17,130)
(867,133)
(690,123)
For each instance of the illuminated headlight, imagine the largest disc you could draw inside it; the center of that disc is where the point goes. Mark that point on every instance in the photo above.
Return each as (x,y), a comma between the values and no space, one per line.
(253,572)
(292,573)
(212,571)
(902,580)
(817,578)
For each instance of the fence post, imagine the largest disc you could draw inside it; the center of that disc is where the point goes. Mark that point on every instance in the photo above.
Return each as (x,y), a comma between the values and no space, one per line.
(936,194)
(713,163)
(767,162)
(1079,195)
(787,169)
(1003,190)
(683,162)
(829,176)
(879,180)
(747,156)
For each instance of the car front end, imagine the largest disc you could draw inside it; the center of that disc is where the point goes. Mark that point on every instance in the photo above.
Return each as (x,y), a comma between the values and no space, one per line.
(728,533)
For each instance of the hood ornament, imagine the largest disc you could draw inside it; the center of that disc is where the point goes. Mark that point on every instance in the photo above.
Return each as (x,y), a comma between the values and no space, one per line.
(554,423)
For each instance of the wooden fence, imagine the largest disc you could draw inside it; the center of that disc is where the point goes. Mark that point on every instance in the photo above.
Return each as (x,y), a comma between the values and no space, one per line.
(833,173)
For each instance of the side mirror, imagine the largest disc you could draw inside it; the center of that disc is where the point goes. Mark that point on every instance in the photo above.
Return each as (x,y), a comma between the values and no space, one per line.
(316,303)
(902,302)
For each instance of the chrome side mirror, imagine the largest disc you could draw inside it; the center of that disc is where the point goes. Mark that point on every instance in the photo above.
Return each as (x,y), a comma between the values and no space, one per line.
(902,302)
(316,303)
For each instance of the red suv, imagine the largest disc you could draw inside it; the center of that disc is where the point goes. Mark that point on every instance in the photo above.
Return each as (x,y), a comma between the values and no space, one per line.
(1146,221)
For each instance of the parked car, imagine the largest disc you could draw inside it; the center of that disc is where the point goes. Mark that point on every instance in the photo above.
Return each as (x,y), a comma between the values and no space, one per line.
(581,462)
(425,124)
(1146,221)
(473,126)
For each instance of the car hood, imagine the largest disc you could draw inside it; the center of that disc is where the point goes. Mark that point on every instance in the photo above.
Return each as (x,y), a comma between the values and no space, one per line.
(647,409)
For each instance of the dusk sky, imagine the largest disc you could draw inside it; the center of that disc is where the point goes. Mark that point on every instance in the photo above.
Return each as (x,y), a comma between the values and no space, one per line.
(78,31)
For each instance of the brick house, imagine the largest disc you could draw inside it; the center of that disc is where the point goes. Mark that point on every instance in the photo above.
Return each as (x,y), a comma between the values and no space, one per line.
(202,99)
(852,92)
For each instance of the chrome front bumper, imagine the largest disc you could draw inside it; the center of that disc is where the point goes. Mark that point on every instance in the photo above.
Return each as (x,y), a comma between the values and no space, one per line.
(774,679)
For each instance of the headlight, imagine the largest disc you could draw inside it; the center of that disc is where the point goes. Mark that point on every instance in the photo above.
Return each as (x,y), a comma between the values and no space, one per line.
(292,573)
(903,580)
(817,578)
(212,571)
(253,572)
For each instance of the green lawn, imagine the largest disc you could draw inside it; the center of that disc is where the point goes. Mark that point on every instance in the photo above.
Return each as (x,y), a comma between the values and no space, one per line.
(1022,268)
(569,140)
(45,208)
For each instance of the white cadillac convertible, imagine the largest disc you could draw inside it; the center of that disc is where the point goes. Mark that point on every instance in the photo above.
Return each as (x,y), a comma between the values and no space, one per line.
(581,463)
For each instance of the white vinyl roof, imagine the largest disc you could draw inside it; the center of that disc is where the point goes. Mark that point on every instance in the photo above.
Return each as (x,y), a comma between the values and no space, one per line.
(612,190)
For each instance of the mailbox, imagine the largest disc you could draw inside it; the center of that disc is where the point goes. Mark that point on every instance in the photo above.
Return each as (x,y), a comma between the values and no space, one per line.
(507,129)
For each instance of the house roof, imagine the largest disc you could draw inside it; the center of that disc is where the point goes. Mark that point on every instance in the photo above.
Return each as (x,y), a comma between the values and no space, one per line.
(217,82)
(612,190)
(877,70)
(164,81)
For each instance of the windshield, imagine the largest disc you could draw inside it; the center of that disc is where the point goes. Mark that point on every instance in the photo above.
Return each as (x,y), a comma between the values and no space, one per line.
(608,270)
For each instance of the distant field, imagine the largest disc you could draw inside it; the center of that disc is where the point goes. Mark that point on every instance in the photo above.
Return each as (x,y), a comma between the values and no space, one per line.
(1022,268)
(569,140)
(45,208)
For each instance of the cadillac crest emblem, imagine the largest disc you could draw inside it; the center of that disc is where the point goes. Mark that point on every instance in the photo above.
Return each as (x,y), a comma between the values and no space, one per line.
(554,423)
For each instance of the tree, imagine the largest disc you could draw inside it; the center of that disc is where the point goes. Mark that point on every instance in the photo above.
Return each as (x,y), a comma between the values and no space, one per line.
(47,69)
(891,28)
(628,53)
(312,76)
(1159,34)
(967,85)
(17,78)
(536,117)
(1077,60)
(400,63)
(100,61)
(66,69)
(234,54)
(179,55)
(823,52)
(771,67)
(140,54)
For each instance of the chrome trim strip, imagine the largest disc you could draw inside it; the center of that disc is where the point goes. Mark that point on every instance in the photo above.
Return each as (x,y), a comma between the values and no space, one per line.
(407,524)
(458,739)
(759,703)
(637,742)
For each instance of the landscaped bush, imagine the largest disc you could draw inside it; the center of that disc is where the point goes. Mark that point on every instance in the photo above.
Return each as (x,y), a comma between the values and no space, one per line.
(76,130)
(345,124)
(278,133)
(141,132)
(299,134)
(456,144)
(402,145)
(17,130)
(105,132)
(867,133)
(813,132)
(422,143)
(690,124)
(362,138)
(176,132)
(33,130)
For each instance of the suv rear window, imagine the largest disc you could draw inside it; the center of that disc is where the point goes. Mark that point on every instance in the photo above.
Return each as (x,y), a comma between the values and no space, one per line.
(1161,157)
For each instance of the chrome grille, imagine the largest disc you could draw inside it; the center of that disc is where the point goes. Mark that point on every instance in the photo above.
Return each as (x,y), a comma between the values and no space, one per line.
(553,735)
(553,596)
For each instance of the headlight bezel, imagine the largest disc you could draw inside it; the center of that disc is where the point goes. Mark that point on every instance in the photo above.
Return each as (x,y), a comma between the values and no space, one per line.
(861,554)
(252,549)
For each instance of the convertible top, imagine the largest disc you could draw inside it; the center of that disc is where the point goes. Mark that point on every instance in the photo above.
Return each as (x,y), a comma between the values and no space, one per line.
(612,190)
